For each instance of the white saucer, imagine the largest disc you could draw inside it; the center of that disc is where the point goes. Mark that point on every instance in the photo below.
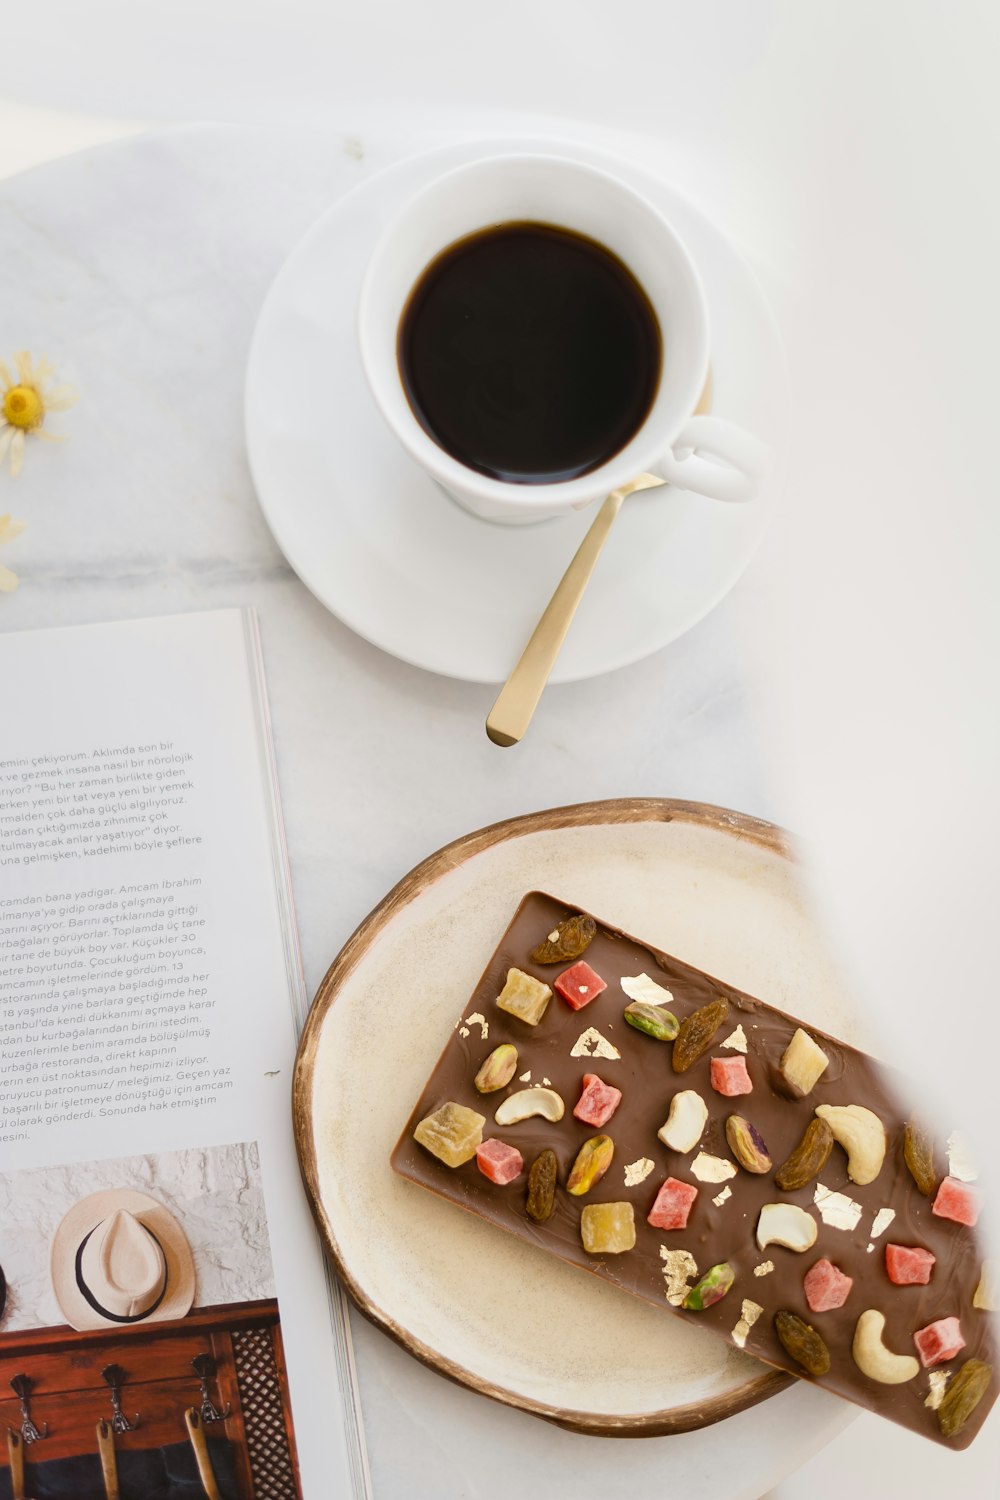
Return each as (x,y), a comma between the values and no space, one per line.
(383,547)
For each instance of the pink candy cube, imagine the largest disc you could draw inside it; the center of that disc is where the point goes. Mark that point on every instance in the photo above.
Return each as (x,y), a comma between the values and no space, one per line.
(499,1162)
(908,1265)
(730,1076)
(579,985)
(939,1341)
(956,1200)
(672,1206)
(598,1101)
(826,1286)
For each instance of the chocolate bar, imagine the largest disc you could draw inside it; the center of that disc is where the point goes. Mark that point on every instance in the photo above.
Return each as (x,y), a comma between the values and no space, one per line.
(705,1151)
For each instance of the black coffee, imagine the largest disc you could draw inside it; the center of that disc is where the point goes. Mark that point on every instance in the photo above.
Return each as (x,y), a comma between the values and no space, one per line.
(529,352)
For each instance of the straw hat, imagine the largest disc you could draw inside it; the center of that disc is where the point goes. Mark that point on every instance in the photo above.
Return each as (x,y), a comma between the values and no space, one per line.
(119,1258)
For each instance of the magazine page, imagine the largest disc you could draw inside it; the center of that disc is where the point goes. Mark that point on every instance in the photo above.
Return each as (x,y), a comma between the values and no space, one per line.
(161,1275)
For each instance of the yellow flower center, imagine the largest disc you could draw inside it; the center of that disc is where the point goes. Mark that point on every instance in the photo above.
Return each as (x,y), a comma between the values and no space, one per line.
(22,406)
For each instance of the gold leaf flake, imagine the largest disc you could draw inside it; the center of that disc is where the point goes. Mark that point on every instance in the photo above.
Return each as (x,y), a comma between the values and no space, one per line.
(590,1043)
(679,1266)
(712,1168)
(751,1312)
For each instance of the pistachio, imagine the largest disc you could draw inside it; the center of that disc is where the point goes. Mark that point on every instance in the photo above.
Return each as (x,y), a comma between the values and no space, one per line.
(528,1102)
(542,1186)
(963,1395)
(685,1123)
(747,1145)
(918,1153)
(592,1161)
(862,1135)
(809,1157)
(498,1069)
(786,1224)
(800,1340)
(712,1287)
(569,939)
(655,1020)
(696,1033)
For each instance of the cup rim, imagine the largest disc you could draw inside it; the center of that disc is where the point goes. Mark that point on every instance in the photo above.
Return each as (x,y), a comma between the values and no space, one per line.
(451,472)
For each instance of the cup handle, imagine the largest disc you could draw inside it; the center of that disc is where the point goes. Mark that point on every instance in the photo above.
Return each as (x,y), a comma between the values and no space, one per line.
(732,469)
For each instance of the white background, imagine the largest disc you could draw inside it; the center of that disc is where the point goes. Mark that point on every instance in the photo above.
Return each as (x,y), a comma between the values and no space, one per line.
(851,150)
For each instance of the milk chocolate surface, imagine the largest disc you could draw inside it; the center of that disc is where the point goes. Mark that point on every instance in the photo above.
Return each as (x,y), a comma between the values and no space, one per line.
(714,1233)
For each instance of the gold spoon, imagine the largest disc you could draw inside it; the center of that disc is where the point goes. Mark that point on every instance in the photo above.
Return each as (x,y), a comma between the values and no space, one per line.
(514,708)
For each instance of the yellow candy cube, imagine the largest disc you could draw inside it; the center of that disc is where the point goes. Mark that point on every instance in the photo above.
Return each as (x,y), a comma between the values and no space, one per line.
(524,997)
(452,1133)
(607,1228)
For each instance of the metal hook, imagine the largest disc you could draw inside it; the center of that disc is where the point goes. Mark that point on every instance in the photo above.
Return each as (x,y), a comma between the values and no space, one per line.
(22,1387)
(205,1368)
(115,1377)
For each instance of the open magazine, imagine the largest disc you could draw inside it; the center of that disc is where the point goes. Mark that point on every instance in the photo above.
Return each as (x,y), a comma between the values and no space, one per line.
(167,1323)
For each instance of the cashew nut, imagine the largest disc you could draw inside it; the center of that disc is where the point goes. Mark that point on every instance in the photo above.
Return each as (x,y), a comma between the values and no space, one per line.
(874,1359)
(862,1135)
(528,1102)
(685,1122)
(987,1293)
(786,1224)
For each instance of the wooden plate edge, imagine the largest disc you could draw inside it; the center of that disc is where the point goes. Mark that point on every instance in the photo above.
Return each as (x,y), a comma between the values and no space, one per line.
(614,810)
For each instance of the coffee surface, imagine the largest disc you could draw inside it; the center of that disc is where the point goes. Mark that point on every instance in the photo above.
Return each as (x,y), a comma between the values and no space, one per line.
(529,352)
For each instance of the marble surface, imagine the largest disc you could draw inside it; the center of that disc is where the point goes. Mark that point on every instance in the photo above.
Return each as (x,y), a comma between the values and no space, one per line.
(139,269)
(214,1193)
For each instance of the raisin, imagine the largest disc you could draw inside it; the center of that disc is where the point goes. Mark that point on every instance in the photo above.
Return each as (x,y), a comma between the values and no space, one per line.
(542,1186)
(571,938)
(696,1033)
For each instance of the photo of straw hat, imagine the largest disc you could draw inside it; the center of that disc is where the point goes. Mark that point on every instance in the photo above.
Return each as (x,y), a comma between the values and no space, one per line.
(118,1258)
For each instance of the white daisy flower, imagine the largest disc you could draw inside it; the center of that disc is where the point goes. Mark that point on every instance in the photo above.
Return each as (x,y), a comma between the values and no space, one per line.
(27,398)
(9,529)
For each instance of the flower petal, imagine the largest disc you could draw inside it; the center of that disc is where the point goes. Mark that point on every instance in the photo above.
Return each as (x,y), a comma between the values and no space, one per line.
(9,528)
(8,580)
(49,437)
(61,398)
(6,437)
(25,366)
(5,375)
(16,453)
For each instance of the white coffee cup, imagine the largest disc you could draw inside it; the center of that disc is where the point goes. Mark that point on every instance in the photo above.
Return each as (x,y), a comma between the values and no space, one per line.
(705,454)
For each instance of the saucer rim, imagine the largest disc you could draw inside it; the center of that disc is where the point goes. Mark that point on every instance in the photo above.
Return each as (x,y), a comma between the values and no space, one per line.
(455,153)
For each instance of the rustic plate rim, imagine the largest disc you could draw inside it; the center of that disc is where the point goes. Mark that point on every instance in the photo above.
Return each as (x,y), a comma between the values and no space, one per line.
(743,826)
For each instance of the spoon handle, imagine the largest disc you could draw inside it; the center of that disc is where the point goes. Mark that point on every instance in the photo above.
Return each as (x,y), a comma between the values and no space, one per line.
(512,712)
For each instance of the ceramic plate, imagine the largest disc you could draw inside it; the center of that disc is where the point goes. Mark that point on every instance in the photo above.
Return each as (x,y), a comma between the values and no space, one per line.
(718,889)
(384,548)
